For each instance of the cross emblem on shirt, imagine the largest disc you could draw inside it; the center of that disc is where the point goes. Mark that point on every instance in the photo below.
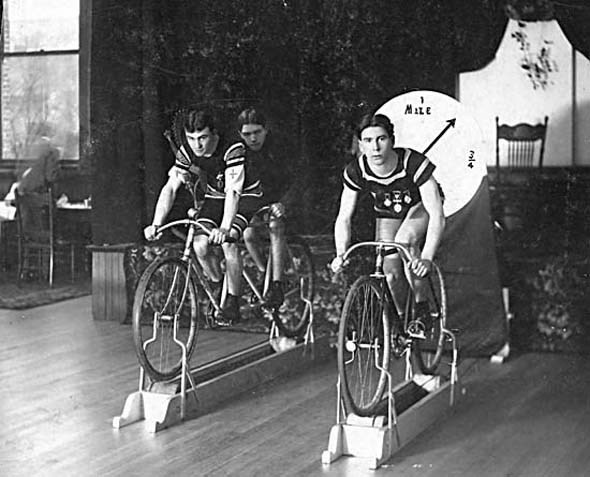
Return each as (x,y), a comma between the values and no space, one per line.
(233,173)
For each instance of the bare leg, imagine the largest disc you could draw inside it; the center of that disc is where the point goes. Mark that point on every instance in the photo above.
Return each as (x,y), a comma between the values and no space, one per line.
(233,265)
(207,258)
(394,274)
(251,241)
(385,230)
(277,247)
(412,232)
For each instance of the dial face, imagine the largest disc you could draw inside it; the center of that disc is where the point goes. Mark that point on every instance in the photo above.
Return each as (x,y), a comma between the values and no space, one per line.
(442,128)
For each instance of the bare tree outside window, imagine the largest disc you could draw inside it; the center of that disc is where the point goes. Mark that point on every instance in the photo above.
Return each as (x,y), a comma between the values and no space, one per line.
(40,88)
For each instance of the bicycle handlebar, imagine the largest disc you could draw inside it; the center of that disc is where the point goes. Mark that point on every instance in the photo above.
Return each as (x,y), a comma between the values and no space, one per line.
(403,249)
(193,214)
(161,228)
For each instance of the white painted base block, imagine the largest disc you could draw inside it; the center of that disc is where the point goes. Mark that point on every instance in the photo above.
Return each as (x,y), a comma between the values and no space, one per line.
(161,410)
(377,444)
(158,410)
(501,355)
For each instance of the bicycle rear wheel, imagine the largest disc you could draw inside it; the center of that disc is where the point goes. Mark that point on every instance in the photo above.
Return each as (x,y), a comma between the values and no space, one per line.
(165,307)
(428,352)
(364,342)
(298,286)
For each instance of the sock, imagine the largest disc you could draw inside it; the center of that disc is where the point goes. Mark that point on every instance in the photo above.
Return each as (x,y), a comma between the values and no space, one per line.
(421,310)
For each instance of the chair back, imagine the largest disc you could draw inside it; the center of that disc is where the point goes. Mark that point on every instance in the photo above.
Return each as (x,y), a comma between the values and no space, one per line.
(521,146)
(34,215)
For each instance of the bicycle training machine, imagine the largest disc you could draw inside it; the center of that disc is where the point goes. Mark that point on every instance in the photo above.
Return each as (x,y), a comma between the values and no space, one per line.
(167,309)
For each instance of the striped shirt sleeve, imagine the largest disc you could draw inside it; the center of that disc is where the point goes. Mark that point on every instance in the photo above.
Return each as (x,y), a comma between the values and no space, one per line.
(419,168)
(351,176)
(235,168)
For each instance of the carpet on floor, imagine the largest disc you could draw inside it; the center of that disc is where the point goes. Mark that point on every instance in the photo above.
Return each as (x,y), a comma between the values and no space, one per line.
(32,294)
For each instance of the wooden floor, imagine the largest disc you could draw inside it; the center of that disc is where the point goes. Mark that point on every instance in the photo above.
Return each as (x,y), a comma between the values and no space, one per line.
(64,377)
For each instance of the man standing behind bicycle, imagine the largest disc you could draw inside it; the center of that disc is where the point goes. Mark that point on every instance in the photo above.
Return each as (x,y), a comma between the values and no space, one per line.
(408,204)
(253,176)
(199,157)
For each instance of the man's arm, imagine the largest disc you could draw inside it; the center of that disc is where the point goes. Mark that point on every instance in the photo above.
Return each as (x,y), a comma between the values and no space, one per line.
(342,226)
(436,219)
(234,183)
(163,206)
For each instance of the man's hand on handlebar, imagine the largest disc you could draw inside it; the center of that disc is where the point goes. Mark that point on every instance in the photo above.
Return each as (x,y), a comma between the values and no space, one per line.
(338,264)
(151,233)
(277,210)
(420,267)
(218,236)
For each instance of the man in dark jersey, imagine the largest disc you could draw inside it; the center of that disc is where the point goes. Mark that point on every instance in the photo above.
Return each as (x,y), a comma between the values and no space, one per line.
(199,157)
(252,179)
(407,203)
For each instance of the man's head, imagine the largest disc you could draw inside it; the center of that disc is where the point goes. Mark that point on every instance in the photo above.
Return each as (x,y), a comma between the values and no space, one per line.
(252,128)
(376,138)
(200,132)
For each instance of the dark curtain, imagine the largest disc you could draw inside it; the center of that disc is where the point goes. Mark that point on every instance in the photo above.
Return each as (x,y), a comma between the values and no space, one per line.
(478,30)
(314,66)
(574,19)
(467,257)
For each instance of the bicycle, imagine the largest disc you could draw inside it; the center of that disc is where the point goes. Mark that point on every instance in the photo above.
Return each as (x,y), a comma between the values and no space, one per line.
(167,303)
(371,331)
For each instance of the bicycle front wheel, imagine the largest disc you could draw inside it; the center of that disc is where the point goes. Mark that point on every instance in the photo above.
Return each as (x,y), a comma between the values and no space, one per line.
(298,286)
(165,317)
(364,346)
(428,353)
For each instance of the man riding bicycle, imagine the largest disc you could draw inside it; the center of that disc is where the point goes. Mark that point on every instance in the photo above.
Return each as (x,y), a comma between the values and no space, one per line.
(199,167)
(408,204)
(252,179)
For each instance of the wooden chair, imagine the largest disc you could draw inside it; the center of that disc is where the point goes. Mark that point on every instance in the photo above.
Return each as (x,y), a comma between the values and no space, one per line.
(39,247)
(524,146)
(519,159)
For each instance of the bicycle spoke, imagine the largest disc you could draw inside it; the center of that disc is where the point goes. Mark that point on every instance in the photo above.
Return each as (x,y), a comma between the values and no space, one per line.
(294,313)
(165,314)
(428,352)
(362,338)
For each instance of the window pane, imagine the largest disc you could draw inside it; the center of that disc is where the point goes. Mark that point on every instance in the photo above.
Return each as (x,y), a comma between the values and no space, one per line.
(39,98)
(33,25)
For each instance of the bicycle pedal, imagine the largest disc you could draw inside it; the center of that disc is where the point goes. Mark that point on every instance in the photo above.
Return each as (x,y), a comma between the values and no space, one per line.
(417,336)
(416,330)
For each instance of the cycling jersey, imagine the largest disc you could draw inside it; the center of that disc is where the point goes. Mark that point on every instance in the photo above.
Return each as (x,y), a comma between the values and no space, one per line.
(393,194)
(243,167)
(188,171)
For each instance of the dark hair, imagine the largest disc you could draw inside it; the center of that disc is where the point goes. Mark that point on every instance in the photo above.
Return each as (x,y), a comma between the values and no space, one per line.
(197,120)
(190,120)
(251,116)
(375,120)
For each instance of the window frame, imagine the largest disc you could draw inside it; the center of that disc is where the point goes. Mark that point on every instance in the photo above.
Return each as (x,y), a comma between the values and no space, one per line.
(83,53)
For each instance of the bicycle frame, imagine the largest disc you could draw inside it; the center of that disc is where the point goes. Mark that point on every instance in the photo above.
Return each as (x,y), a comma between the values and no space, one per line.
(189,256)
(382,249)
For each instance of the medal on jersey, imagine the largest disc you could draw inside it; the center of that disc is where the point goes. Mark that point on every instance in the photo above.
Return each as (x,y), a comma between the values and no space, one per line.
(387,200)
(220,181)
(397,199)
(407,197)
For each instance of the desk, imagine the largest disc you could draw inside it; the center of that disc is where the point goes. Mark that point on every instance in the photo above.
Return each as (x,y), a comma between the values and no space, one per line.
(73,224)
(74,206)
(72,221)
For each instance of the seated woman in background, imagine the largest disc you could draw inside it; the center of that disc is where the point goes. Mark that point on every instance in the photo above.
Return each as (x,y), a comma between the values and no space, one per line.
(43,172)
(35,181)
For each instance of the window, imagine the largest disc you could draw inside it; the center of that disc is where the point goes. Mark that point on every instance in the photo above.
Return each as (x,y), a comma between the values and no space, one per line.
(40,77)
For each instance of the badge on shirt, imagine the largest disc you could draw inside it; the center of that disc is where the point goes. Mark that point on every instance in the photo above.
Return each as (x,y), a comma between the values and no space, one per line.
(397,201)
